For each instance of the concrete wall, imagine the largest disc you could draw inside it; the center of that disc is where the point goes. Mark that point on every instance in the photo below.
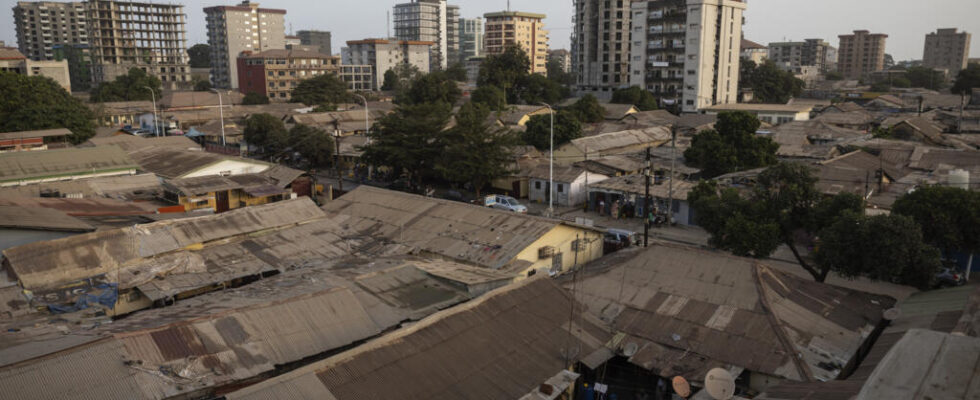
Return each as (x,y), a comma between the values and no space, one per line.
(561,238)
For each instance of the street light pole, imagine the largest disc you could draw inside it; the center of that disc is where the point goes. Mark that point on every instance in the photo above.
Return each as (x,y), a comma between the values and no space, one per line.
(221,112)
(551,164)
(153,98)
(367,118)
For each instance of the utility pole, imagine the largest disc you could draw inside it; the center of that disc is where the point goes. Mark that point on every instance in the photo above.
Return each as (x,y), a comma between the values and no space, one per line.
(646,203)
(153,97)
(959,122)
(670,185)
(336,141)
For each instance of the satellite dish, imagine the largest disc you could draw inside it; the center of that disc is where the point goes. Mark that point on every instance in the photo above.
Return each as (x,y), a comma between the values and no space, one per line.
(630,349)
(892,313)
(719,384)
(681,387)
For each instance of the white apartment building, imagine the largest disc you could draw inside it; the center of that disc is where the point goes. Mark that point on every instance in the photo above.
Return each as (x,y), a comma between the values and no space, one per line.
(234,29)
(430,21)
(383,55)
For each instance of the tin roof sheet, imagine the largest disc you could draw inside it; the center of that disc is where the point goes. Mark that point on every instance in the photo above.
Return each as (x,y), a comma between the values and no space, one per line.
(29,165)
(38,218)
(606,142)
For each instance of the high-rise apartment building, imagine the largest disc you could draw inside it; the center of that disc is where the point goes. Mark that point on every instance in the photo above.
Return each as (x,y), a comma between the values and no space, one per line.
(430,21)
(564,58)
(318,39)
(149,36)
(947,49)
(601,45)
(234,29)
(383,55)
(470,38)
(526,30)
(43,26)
(792,56)
(687,51)
(861,53)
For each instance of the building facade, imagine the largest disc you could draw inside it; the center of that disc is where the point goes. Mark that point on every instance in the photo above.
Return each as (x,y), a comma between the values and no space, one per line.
(470,38)
(235,29)
(754,52)
(861,53)
(359,78)
(383,55)
(687,51)
(601,46)
(12,60)
(430,21)
(947,49)
(275,73)
(319,39)
(792,56)
(42,26)
(509,28)
(564,58)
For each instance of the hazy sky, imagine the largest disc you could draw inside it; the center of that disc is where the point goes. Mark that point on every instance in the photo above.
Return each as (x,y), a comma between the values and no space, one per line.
(905,21)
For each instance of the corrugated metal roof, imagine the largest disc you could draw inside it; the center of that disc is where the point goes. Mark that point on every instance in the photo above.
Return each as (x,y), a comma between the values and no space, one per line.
(731,311)
(28,165)
(131,143)
(172,163)
(503,345)
(206,184)
(52,263)
(636,184)
(34,134)
(123,186)
(40,219)
(606,142)
(467,233)
(94,206)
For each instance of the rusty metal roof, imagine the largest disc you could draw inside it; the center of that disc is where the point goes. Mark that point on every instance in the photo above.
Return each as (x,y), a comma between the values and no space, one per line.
(629,139)
(94,206)
(130,143)
(56,262)
(502,345)
(206,184)
(730,311)
(463,232)
(63,163)
(38,218)
(110,186)
(636,184)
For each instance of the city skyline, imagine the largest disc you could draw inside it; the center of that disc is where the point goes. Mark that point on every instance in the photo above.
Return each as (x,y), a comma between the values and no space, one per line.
(766,20)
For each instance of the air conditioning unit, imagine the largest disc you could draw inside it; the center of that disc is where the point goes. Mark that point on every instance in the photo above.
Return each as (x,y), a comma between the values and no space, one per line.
(546,252)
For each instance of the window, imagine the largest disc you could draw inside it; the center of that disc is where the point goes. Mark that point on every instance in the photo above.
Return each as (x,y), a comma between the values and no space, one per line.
(537,185)
(561,188)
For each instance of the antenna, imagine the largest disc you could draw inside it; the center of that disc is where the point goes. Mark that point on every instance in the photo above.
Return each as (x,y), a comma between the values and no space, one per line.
(387,25)
(719,384)
(508,5)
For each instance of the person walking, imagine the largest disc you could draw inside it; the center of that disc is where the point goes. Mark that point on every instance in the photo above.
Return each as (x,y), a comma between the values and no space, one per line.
(614,212)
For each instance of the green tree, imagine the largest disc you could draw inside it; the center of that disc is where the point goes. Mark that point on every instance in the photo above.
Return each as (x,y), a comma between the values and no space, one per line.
(772,85)
(202,86)
(456,72)
(881,247)
(538,130)
(390,80)
(490,96)
(783,208)
(503,70)
(587,109)
(949,217)
(881,87)
(476,152)
(266,132)
(967,80)
(130,87)
(433,87)
(200,55)
(536,89)
(732,146)
(254,98)
(314,144)
(37,102)
(557,74)
(636,96)
(321,89)
(400,77)
(409,139)
(924,78)
(901,82)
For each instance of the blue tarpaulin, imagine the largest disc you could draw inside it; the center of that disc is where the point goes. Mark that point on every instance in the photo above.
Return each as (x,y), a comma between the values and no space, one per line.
(104,294)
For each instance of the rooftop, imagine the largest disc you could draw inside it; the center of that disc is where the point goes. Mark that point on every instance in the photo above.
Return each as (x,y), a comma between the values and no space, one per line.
(34,134)
(38,218)
(651,136)
(52,164)
(794,108)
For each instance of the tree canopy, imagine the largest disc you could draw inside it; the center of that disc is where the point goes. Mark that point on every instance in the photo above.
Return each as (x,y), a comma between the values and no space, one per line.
(325,89)
(409,140)
(490,96)
(503,70)
(588,109)
(203,86)
(557,74)
(924,78)
(635,95)
(456,72)
(37,102)
(536,89)
(732,146)
(475,152)
(200,55)
(949,216)
(266,132)
(254,98)
(315,145)
(133,86)
(433,87)
(400,77)
(538,130)
(769,83)
(967,80)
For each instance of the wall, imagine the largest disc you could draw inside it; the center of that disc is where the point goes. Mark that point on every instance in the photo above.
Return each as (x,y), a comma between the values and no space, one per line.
(235,199)
(561,237)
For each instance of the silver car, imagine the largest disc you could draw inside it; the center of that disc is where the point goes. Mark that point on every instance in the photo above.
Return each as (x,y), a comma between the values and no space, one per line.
(504,203)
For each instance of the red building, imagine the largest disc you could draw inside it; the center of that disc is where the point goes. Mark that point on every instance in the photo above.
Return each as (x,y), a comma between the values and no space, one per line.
(275,73)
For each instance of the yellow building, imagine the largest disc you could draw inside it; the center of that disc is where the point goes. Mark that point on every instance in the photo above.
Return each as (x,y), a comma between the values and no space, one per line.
(223,193)
(508,28)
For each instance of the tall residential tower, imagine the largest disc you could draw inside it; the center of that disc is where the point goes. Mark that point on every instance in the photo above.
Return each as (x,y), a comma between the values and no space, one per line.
(43,26)
(430,21)
(526,30)
(601,46)
(861,53)
(947,49)
(234,29)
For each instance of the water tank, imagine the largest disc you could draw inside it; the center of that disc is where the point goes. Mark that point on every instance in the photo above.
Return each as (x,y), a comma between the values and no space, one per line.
(959,178)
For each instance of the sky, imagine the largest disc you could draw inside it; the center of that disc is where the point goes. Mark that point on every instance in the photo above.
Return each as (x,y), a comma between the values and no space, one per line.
(905,21)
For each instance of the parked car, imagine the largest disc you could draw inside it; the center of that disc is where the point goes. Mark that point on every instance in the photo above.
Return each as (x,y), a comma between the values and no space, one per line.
(502,202)
(617,239)
(949,277)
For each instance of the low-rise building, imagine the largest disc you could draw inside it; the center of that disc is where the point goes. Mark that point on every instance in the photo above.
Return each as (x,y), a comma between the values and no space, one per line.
(30,140)
(613,143)
(12,60)
(773,114)
(630,190)
(754,52)
(275,73)
(27,167)
(223,193)
(569,184)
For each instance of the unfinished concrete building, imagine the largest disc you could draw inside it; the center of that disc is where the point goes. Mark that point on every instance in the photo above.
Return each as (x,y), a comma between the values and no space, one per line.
(149,36)
(42,26)
(601,46)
